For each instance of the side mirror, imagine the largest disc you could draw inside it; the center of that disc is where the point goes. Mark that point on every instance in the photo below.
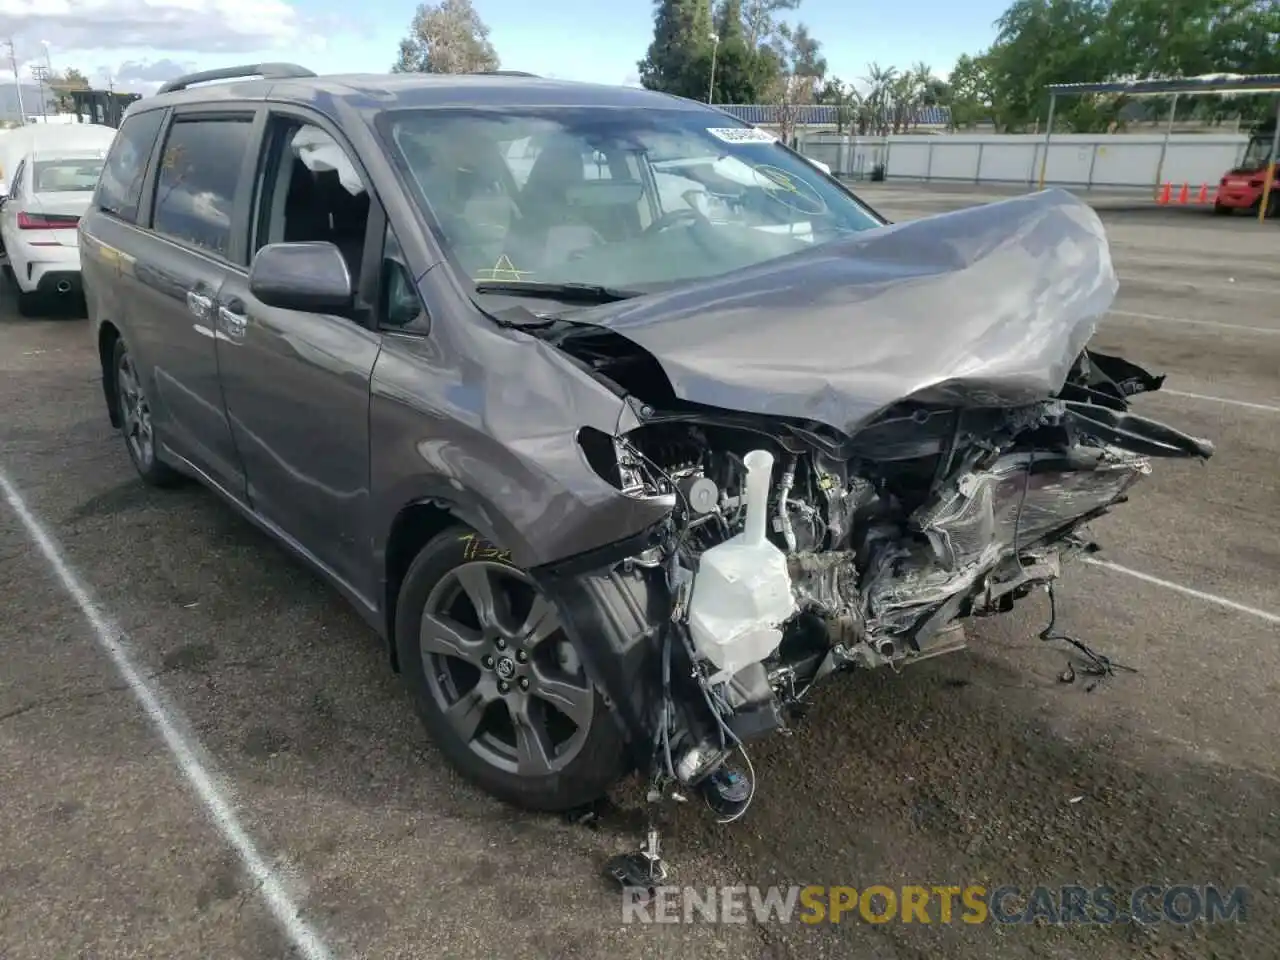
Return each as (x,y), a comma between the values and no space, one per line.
(311,276)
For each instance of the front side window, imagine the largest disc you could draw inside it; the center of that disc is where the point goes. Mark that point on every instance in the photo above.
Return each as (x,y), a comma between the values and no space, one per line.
(401,308)
(311,191)
(1257,153)
(616,197)
(196,187)
(126,165)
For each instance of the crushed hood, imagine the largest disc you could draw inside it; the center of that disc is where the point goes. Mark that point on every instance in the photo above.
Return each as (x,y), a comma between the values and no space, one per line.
(987,305)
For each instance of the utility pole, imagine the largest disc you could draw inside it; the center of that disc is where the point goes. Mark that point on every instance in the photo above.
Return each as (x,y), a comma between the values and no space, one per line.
(715,48)
(17,83)
(49,75)
(42,76)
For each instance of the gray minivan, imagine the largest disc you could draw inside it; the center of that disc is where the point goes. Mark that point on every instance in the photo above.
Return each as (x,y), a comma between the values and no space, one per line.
(620,447)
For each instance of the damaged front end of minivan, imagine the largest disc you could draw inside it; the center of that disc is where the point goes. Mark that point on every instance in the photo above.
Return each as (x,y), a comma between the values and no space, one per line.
(863,445)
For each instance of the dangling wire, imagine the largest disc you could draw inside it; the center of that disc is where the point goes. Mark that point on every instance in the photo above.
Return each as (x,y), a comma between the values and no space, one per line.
(1099,665)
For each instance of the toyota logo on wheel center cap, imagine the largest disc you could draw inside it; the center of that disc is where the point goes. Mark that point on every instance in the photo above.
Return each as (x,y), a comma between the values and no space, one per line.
(506,668)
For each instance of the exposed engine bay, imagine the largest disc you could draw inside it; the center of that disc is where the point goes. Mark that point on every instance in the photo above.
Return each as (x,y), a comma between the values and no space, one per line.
(841,455)
(794,552)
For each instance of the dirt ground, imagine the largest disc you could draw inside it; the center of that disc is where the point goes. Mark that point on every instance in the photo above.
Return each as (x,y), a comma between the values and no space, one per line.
(976,768)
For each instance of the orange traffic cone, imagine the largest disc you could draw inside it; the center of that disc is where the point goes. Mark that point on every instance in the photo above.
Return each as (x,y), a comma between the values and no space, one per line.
(1185,193)
(1164,194)
(1204,194)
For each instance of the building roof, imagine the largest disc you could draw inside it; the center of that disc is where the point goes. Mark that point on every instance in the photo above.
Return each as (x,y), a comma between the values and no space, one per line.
(822,113)
(1208,83)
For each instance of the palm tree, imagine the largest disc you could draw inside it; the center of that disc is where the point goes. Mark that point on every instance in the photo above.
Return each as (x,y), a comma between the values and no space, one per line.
(902,93)
(922,73)
(878,81)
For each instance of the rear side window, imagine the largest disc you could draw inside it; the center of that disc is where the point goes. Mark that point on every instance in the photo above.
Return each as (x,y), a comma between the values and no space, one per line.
(196,188)
(122,175)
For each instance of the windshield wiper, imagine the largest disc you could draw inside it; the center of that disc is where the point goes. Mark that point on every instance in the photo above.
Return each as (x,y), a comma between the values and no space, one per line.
(576,292)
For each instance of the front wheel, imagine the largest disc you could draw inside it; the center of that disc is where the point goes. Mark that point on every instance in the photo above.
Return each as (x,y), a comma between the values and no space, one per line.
(497,681)
(30,304)
(135,421)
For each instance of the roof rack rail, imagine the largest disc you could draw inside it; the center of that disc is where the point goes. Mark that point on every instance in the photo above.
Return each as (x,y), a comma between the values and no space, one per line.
(505,73)
(268,71)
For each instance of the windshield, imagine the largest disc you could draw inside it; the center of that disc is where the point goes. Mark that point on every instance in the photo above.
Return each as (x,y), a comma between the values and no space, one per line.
(620,198)
(1257,153)
(66,174)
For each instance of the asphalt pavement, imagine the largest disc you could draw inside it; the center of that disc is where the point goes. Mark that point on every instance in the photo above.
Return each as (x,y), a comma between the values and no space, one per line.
(203,752)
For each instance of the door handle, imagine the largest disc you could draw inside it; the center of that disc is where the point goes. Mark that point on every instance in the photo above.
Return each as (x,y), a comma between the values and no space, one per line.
(231,322)
(199,304)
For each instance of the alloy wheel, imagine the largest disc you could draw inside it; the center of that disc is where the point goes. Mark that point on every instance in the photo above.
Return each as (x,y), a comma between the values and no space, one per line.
(502,671)
(135,413)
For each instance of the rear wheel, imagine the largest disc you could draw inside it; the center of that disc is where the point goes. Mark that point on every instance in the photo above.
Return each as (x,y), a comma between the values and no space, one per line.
(30,304)
(497,682)
(135,421)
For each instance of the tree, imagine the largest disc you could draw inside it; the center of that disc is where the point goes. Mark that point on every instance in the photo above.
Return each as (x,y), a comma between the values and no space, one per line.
(743,74)
(61,84)
(877,114)
(686,39)
(1057,41)
(969,92)
(760,19)
(449,37)
(802,68)
(843,97)
(681,40)
(1044,41)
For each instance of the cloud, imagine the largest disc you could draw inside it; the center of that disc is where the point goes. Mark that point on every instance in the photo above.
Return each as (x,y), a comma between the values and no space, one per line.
(158,71)
(188,26)
(140,76)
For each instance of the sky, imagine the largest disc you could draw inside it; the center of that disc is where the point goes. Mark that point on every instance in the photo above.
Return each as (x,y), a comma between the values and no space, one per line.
(137,44)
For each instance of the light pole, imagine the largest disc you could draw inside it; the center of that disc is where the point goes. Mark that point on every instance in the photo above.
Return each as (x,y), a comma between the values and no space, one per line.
(715,46)
(48,66)
(17,83)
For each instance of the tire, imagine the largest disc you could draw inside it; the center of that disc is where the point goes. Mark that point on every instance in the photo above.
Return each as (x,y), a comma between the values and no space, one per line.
(135,422)
(1222,210)
(30,304)
(483,742)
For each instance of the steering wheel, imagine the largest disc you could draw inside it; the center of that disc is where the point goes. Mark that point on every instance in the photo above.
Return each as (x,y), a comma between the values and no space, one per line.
(671,218)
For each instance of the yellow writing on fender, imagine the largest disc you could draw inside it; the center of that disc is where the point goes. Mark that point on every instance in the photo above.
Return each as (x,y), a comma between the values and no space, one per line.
(883,904)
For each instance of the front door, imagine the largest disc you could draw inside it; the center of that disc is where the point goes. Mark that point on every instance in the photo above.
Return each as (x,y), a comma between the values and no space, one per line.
(296,385)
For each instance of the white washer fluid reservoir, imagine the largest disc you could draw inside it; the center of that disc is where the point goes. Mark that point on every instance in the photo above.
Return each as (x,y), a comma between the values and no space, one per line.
(742,590)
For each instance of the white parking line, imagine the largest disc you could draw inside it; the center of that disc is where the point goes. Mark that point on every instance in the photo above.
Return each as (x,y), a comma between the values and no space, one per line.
(1185,285)
(1267,407)
(1163,318)
(168,723)
(1185,591)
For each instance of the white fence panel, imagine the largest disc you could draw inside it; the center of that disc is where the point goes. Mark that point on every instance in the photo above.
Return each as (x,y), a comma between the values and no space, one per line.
(1116,160)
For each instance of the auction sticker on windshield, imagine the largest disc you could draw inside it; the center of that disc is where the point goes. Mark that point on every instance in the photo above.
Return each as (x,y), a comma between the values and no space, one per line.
(741,134)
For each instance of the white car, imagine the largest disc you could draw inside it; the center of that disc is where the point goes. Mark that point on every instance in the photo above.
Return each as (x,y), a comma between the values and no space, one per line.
(48,193)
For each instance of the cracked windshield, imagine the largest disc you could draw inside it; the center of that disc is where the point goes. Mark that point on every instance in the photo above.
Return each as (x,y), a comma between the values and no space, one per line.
(609,197)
